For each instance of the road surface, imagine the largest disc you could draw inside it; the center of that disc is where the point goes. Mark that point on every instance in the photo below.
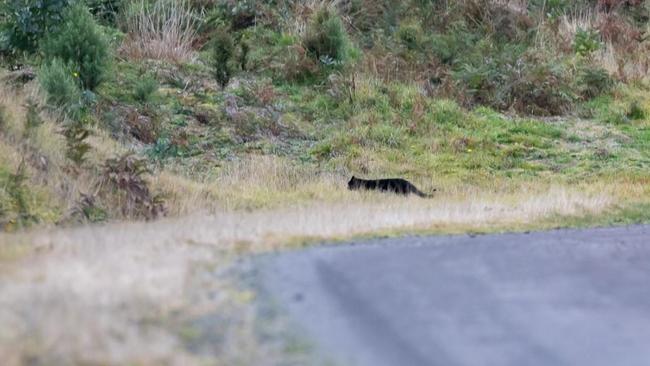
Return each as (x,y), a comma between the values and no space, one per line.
(567,297)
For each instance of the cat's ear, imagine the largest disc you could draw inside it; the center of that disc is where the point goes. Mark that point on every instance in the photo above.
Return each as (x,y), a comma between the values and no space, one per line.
(353,177)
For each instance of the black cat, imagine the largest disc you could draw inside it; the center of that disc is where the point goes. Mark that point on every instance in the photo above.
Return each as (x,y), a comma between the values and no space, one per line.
(395,185)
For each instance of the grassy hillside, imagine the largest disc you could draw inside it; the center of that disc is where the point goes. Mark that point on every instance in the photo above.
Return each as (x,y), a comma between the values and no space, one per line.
(473,93)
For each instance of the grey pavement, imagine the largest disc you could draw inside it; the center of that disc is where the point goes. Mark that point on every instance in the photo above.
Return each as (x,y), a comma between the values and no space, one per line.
(566,297)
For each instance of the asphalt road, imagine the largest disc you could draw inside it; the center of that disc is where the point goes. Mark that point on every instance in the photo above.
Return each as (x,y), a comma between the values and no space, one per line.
(568,297)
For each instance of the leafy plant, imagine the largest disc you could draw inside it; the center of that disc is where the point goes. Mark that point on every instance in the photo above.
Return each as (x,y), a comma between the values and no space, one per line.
(594,81)
(326,37)
(450,46)
(410,36)
(76,134)
(635,111)
(81,44)
(586,42)
(145,88)
(124,176)
(222,52)
(60,84)
(293,64)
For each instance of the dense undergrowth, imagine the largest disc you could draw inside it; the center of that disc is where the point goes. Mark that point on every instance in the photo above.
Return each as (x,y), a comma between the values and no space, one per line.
(107,114)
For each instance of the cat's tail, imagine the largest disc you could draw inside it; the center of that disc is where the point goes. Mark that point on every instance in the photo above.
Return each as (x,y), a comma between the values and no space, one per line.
(424,195)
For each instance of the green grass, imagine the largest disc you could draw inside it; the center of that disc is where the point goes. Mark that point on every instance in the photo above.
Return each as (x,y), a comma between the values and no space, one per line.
(388,129)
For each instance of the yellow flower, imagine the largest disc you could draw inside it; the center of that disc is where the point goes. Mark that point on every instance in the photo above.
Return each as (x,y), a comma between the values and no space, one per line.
(75,74)
(469,150)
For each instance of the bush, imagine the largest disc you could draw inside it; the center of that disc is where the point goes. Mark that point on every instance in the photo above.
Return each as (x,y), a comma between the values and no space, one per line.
(488,71)
(450,46)
(410,36)
(542,88)
(294,65)
(58,81)
(594,81)
(124,179)
(222,52)
(105,10)
(635,111)
(326,38)
(586,42)
(81,44)
(26,22)
(76,133)
(507,78)
(145,88)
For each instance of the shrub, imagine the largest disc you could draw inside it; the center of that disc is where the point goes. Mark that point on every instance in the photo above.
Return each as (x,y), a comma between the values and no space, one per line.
(26,22)
(507,77)
(105,10)
(222,52)
(244,50)
(586,42)
(145,88)
(448,47)
(294,65)
(124,177)
(326,38)
(594,81)
(487,72)
(81,44)
(410,36)
(76,133)
(542,88)
(635,111)
(143,126)
(58,81)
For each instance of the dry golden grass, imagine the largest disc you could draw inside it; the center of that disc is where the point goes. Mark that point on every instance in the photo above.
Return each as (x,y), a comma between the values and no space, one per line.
(108,294)
(123,293)
(162,30)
